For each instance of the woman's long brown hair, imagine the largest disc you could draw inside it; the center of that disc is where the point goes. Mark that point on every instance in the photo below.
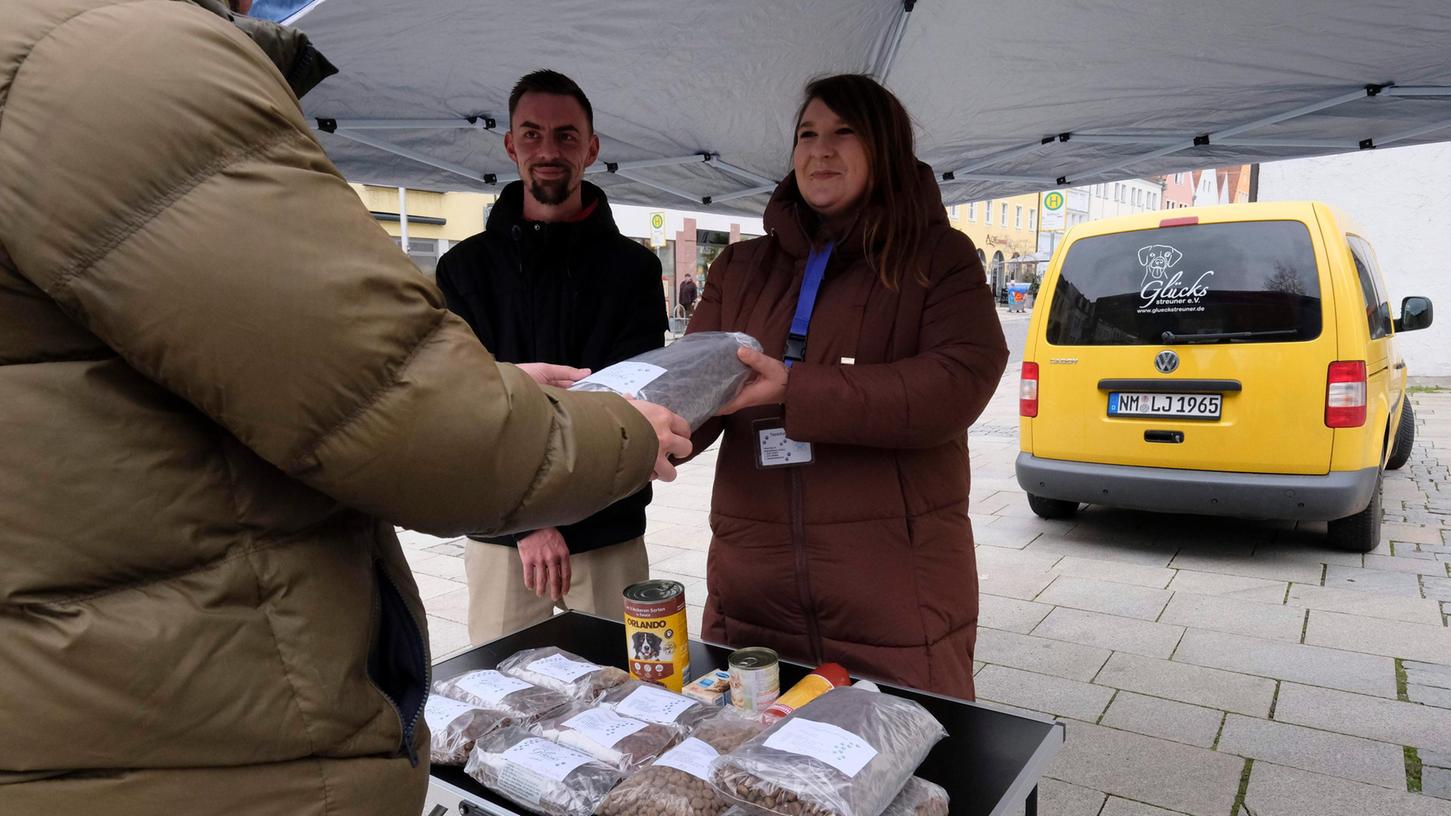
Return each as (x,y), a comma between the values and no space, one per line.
(894,212)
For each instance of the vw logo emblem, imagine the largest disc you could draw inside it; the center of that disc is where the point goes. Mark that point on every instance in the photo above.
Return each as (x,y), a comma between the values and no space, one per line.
(1166,362)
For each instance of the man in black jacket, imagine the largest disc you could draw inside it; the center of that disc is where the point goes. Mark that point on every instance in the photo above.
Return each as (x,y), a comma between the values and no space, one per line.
(551,284)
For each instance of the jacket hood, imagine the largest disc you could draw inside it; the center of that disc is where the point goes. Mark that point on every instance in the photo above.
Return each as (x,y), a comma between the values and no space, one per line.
(301,64)
(508,212)
(791,220)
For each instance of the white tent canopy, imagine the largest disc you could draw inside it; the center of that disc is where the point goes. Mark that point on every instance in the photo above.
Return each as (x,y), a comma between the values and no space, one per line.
(694,99)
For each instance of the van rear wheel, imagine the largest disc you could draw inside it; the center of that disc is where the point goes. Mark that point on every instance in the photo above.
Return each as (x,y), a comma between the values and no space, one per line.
(1360,532)
(1405,437)
(1051,508)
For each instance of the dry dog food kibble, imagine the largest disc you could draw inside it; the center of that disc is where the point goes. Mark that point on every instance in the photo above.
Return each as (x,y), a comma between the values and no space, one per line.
(675,785)
(919,798)
(846,753)
(644,701)
(567,673)
(695,376)
(546,778)
(454,727)
(623,742)
(515,701)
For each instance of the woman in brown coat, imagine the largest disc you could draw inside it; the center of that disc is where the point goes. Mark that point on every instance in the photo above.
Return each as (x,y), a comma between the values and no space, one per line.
(858,548)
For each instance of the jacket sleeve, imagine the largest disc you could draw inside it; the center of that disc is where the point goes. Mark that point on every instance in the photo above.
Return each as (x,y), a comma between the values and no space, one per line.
(645,325)
(163,187)
(920,401)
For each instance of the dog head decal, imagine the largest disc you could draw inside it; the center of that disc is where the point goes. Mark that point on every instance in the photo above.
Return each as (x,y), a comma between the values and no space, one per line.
(1157,260)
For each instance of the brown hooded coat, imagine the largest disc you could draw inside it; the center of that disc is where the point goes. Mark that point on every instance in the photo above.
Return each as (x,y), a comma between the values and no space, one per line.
(864,557)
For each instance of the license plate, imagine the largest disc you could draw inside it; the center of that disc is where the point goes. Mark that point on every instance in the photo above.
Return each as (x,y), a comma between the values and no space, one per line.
(1178,406)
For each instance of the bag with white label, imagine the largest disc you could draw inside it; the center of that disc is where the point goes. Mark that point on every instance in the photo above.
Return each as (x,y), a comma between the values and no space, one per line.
(694,376)
(540,775)
(513,701)
(652,703)
(564,672)
(677,784)
(455,727)
(846,753)
(919,798)
(624,742)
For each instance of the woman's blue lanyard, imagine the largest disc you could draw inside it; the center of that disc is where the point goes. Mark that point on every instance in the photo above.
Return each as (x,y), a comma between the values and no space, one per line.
(806,303)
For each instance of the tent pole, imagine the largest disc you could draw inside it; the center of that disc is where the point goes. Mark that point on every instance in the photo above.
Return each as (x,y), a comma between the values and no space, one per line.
(399,150)
(403,217)
(765,188)
(664,188)
(898,31)
(740,171)
(1210,138)
(1413,133)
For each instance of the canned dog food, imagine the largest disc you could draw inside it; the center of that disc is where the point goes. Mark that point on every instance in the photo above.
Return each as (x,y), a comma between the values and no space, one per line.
(655,633)
(755,679)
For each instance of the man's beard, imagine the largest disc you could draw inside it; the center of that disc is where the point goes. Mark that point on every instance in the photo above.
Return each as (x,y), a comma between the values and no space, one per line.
(555,192)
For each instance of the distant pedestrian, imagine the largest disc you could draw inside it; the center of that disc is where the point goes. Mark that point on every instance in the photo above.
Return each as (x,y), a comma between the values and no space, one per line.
(688,295)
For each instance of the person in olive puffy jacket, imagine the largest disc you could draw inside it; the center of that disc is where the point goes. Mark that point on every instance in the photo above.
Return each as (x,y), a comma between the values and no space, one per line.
(221,386)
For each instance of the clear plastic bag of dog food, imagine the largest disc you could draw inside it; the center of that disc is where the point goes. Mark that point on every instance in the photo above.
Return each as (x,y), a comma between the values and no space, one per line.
(540,775)
(694,376)
(651,703)
(515,701)
(919,798)
(565,672)
(624,742)
(677,784)
(455,726)
(846,753)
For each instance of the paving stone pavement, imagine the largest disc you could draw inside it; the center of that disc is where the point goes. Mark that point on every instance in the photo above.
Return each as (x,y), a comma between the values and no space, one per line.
(1200,663)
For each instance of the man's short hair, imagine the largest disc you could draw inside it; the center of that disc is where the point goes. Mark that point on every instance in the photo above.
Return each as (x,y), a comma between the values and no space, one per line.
(550,82)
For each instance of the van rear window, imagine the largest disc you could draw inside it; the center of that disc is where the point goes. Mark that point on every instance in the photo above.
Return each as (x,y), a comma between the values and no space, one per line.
(1235,282)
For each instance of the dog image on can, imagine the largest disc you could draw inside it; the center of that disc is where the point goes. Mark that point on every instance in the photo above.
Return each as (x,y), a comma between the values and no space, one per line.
(655,633)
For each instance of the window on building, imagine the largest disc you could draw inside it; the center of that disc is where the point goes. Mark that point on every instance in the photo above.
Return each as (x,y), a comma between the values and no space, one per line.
(987,215)
(1032,218)
(1018,218)
(972,210)
(1004,213)
(952,212)
(708,245)
(1117,192)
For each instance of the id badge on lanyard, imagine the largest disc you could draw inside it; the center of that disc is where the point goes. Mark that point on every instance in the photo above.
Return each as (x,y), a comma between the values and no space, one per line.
(773,448)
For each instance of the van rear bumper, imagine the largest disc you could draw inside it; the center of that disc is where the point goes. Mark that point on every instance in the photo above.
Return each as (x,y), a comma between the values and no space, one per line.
(1170,490)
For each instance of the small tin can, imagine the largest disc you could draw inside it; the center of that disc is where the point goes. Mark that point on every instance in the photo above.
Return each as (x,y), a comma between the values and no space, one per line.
(655,633)
(755,678)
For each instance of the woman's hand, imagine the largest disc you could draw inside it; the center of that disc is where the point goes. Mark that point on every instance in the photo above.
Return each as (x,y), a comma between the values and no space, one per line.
(556,375)
(767,385)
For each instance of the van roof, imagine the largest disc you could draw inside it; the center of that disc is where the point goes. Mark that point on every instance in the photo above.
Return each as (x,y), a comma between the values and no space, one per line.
(1304,211)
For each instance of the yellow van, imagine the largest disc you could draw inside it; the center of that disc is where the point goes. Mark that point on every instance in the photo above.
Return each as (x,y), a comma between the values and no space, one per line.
(1236,360)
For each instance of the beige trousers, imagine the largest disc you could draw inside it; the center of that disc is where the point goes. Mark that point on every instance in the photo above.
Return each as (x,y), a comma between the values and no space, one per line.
(499,603)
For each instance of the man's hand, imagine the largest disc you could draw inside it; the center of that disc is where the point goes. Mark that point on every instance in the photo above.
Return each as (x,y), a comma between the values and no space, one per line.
(767,385)
(546,563)
(558,376)
(673,434)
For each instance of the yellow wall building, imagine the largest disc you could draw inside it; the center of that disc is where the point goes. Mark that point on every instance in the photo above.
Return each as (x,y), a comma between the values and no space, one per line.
(436,221)
(1002,228)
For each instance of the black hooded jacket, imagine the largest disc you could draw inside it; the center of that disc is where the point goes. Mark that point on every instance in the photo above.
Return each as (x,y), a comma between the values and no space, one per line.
(572,293)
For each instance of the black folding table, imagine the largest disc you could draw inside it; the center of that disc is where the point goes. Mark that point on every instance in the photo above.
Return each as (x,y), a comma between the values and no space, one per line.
(989,761)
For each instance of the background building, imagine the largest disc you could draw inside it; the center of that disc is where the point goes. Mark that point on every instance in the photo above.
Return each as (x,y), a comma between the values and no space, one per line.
(687,242)
(1005,232)
(1399,199)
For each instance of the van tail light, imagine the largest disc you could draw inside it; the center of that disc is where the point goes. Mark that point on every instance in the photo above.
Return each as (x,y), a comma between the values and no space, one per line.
(1184,221)
(1345,394)
(1028,391)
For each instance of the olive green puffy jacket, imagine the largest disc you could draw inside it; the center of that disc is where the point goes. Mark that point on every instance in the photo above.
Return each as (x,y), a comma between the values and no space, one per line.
(221,385)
